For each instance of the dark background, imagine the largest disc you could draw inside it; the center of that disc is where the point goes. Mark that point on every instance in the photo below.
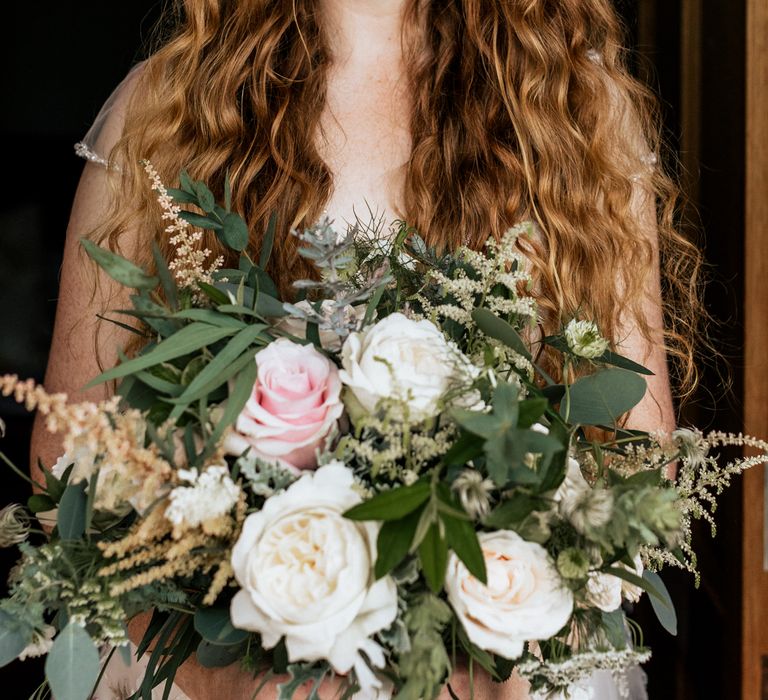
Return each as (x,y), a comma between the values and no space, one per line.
(61,61)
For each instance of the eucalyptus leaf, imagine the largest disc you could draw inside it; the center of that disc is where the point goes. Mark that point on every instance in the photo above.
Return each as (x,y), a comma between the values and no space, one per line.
(495,327)
(186,182)
(182,197)
(72,666)
(54,488)
(215,318)
(205,199)
(466,447)
(12,640)
(164,274)
(614,626)
(214,625)
(243,386)
(71,517)
(601,398)
(268,241)
(218,655)
(266,305)
(204,222)
(187,340)
(215,295)
(118,268)
(514,511)
(662,603)
(227,191)
(205,390)
(215,372)
(234,232)
(611,358)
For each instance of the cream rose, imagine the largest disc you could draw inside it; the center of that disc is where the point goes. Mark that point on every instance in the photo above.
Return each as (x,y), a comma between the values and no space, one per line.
(400,358)
(524,600)
(603,591)
(294,405)
(630,591)
(306,574)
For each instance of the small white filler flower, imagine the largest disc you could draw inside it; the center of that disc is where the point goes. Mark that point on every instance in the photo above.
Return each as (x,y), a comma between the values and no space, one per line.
(210,495)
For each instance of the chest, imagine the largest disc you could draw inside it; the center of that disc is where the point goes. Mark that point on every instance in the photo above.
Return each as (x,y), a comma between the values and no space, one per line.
(365,139)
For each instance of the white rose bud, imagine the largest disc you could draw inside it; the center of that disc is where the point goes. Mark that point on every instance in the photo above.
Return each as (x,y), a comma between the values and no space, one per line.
(584,339)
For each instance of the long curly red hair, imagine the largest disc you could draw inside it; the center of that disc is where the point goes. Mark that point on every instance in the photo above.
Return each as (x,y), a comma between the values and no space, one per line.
(521,109)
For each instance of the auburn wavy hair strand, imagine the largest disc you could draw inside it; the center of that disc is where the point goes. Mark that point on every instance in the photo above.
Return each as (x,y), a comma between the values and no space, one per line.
(520,109)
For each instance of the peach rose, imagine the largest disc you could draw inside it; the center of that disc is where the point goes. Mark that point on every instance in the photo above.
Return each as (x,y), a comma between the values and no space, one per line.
(294,405)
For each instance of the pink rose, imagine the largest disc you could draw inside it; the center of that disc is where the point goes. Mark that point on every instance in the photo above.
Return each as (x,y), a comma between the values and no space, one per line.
(295,403)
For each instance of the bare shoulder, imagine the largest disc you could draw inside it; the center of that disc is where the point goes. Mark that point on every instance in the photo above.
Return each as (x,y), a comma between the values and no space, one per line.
(82,342)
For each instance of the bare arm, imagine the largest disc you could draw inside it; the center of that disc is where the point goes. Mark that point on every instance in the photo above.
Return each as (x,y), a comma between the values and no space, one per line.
(78,334)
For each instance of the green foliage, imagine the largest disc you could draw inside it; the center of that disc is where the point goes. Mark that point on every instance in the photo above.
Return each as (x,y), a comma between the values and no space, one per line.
(218,655)
(507,444)
(433,555)
(14,637)
(603,397)
(426,665)
(215,626)
(72,666)
(615,627)
(498,328)
(661,602)
(118,268)
(392,504)
(394,542)
(511,513)
(189,339)
(301,673)
(71,518)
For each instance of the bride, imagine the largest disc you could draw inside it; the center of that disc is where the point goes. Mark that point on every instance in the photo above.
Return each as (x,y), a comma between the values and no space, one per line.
(460,116)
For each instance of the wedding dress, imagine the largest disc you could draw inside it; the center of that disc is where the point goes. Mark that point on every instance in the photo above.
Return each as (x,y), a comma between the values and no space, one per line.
(120,680)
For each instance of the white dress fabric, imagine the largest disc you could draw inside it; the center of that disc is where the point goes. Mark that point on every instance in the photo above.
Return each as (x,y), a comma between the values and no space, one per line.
(120,681)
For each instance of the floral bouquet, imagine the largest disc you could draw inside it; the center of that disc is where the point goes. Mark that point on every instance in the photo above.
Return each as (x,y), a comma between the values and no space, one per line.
(373,481)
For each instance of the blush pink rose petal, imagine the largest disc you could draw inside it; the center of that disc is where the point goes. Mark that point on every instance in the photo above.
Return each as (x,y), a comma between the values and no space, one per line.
(294,404)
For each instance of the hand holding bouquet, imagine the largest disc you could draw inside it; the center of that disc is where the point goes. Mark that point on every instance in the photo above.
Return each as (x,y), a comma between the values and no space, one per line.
(371,480)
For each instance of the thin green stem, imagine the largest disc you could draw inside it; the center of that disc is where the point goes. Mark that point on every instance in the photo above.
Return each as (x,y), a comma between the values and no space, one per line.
(567,384)
(18,471)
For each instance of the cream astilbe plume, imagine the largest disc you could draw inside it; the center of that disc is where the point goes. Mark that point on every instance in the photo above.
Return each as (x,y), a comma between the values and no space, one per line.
(99,437)
(188,264)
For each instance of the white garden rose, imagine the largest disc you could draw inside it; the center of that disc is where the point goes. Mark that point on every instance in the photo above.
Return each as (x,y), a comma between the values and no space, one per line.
(525,598)
(603,591)
(400,358)
(306,574)
(630,591)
